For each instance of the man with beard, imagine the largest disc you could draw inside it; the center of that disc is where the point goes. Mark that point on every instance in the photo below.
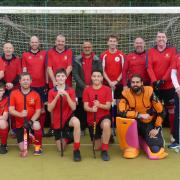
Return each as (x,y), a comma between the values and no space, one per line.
(33,62)
(25,106)
(140,103)
(136,63)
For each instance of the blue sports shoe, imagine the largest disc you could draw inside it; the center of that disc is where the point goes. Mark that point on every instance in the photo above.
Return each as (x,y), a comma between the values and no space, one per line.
(37,152)
(174,145)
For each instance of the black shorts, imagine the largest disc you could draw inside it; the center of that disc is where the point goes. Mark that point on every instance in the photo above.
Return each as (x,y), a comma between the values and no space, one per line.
(165,95)
(66,131)
(20,134)
(42,93)
(98,131)
(118,91)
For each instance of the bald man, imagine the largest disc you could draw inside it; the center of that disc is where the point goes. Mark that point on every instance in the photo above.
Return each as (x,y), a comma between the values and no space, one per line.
(83,66)
(10,67)
(33,62)
(59,57)
(135,63)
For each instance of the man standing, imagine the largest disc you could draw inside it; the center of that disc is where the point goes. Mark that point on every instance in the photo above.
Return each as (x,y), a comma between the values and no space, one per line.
(33,62)
(160,60)
(175,76)
(83,66)
(112,62)
(59,57)
(97,100)
(61,99)
(10,67)
(140,103)
(25,106)
(135,63)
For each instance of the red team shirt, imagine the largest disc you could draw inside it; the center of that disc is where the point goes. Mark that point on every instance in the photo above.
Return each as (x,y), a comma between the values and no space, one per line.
(3,105)
(135,64)
(57,60)
(113,63)
(11,68)
(33,103)
(67,111)
(160,65)
(35,64)
(176,65)
(104,95)
(87,68)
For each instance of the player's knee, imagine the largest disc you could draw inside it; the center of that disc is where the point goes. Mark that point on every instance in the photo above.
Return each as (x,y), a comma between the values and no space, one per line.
(36,125)
(106,124)
(3,124)
(155,149)
(75,122)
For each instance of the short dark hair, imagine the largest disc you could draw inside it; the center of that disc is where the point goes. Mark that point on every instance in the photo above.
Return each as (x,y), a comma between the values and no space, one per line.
(113,36)
(137,76)
(61,71)
(24,74)
(97,70)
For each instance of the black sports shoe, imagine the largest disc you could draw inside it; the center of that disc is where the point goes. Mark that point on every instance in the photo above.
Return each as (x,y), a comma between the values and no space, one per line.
(76,155)
(50,133)
(3,149)
(105,156)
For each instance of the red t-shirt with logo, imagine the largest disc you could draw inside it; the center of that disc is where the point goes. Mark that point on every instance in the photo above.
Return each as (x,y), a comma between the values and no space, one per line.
(66,110)
(17,100)
(160,65)
(57,60)
(3,105)
(11,68)
(35,64)
(112,63)
(135,63)
(104,95)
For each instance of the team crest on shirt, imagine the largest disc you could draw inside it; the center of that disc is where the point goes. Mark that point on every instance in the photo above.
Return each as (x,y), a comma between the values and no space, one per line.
(117,59)
(134,57)
(32,101)
(30,57)
(65,57)
(40,57)
(167,55)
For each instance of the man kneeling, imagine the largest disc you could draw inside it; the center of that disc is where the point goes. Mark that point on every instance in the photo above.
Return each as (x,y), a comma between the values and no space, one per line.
(140,103)
(62,103)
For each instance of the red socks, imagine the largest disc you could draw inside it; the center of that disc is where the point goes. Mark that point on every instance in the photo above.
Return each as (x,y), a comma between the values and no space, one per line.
(105,147)
(76,146)
(38,137)
(4,135)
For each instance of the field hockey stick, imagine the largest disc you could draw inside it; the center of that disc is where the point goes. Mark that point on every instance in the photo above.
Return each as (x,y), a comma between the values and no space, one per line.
(113,114)
(25,136)
(94,131)
(61,131)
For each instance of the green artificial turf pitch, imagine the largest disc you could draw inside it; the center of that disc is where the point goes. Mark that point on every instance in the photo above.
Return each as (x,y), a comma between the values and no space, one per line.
(51,166)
